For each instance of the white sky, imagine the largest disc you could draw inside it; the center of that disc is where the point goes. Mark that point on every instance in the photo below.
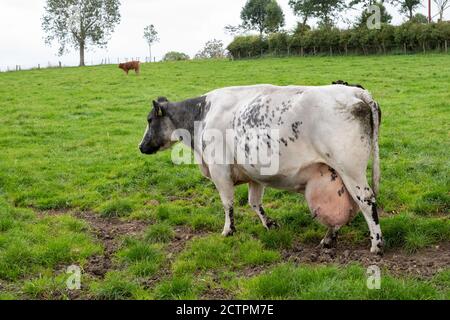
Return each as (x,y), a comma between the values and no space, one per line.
(182,25)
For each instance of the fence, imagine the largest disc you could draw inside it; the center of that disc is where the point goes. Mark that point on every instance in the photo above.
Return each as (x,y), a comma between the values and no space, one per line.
(59,64)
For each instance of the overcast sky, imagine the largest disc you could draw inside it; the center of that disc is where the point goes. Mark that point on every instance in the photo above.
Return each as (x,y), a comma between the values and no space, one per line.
(183,25)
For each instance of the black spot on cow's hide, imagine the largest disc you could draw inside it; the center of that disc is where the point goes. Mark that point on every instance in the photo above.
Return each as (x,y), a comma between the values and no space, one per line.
(375,213)
(341,191)
(334,174)
(363,114)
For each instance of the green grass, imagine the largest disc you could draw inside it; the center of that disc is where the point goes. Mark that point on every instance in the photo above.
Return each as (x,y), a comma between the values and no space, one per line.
(31,244)
(160,233)
(215,252)
(289,282)
(68,141)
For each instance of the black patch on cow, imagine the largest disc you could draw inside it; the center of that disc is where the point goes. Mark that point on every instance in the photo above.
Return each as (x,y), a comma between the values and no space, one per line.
(363,114)
(231,214)
(283,140)
(184,114)
(262,211)
(162,99)
(341,191)
(375,213)
(345,83)
(247,149)
(334,174)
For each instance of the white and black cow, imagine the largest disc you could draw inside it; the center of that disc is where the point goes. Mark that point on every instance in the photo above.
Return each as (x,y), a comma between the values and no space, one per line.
(325,137)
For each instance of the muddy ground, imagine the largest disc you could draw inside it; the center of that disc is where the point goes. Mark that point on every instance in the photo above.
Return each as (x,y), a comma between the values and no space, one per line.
(111,231)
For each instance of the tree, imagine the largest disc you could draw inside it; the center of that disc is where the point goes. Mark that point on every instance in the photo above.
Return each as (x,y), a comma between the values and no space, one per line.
(327,9)
(265,16)
(408,7)
(175,56)
(442,6)
(304,8)
(80,23)
(419,18)
(151,36)
(365,3)
(213,50)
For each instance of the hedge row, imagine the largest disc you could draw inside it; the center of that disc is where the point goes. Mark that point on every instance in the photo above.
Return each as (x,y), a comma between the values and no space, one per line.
(409,37)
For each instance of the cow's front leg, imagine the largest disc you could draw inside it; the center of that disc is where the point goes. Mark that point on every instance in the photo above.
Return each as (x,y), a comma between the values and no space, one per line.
(255,195)
(221,177)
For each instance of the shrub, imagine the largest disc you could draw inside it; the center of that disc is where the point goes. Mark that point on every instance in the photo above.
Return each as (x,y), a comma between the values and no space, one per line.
(175,56)
(410,36)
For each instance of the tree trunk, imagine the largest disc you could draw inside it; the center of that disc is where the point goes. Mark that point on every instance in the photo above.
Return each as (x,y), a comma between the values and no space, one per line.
(261,40)
(150,51)
(82,48)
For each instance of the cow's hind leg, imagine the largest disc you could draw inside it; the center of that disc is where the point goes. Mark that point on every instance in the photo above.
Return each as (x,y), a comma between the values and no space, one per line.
(330,240)
(221,177)
(364,196)
(255,194)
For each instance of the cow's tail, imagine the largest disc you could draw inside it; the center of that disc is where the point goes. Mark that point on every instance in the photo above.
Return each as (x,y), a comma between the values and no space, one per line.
(376,121)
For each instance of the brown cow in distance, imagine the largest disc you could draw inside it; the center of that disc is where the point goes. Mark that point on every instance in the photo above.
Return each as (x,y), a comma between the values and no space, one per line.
(132,65)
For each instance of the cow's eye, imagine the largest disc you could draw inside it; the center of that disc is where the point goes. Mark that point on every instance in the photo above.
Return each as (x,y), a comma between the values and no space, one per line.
(149,120)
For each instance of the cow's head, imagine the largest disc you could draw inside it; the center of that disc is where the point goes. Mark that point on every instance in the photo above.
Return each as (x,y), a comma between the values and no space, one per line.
(159,129)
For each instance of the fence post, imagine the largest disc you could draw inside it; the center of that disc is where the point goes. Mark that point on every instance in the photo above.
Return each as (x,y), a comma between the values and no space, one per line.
(60,64)
(446,46)
(404,48)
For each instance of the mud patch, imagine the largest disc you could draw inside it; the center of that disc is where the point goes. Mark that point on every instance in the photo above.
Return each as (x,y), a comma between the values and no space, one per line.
(109,232)
(424,264)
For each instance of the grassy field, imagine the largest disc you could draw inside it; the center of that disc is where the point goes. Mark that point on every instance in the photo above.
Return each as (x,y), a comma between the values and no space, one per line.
(74,189)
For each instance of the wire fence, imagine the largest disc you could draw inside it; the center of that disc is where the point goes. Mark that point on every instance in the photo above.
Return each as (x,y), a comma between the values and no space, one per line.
(59,64)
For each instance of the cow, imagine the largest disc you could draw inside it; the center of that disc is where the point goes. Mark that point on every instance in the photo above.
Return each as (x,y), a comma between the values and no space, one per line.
(132,65)
(321,139)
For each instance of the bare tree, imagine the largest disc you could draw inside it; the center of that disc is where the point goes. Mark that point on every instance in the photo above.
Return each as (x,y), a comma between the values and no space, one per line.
(442,6)
(213,50)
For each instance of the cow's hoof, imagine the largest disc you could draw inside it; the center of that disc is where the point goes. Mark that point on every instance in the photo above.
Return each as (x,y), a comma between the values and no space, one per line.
(378,249)
(271,224)
(328,243)
(228,232)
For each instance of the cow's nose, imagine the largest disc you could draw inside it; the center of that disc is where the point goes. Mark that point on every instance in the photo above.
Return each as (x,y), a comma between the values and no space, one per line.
(141,148)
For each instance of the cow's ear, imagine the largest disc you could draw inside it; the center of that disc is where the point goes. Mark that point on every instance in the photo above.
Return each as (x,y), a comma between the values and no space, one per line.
(158,108)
